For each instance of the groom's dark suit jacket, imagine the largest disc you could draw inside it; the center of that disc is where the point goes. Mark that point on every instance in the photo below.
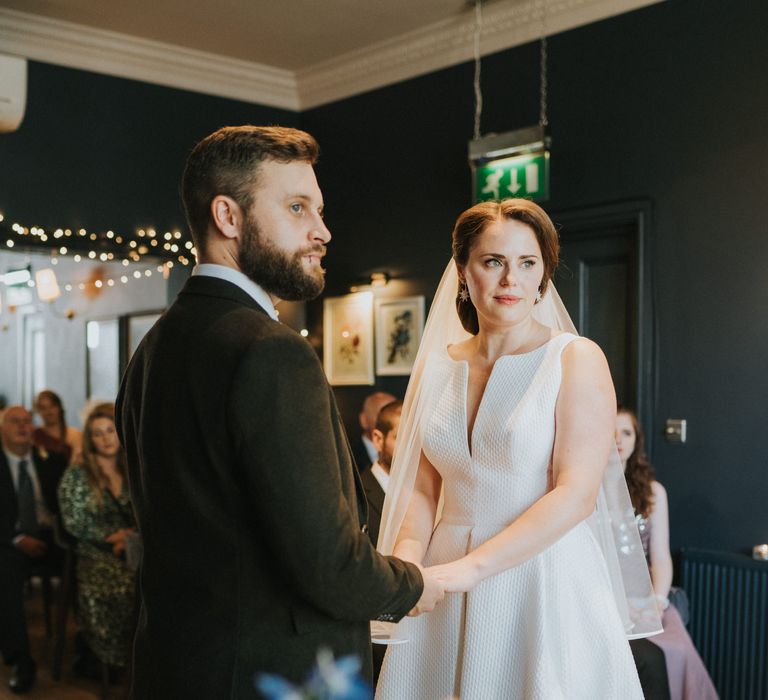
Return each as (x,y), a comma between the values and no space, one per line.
(248,503)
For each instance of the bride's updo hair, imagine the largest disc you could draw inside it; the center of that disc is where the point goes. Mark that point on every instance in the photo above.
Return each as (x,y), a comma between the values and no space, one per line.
(471,224)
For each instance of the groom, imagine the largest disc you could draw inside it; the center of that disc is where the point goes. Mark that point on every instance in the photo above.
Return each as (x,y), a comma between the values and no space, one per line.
(248,502)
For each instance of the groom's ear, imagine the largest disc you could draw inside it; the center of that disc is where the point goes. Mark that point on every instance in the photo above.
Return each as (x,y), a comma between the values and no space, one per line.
(377,438)
(226,216)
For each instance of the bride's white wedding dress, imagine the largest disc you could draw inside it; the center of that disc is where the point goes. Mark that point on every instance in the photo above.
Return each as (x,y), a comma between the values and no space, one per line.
(547,629)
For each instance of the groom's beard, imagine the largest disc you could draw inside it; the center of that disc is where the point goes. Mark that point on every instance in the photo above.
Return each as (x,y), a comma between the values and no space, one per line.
(276,271)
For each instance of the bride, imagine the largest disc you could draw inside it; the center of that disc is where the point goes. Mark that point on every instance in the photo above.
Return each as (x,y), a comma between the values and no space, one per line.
(506,442)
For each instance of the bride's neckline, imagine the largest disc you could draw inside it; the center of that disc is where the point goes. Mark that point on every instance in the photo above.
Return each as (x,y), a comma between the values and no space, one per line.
(501,357)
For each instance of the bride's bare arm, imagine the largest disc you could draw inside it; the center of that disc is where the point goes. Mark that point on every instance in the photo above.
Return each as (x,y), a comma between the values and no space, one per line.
(413,538)
(585,418)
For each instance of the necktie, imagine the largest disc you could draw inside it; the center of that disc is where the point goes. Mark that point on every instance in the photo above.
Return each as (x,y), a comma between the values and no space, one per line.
(27,508)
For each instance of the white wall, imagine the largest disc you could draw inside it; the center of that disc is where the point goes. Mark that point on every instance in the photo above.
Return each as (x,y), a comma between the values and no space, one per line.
(65,344)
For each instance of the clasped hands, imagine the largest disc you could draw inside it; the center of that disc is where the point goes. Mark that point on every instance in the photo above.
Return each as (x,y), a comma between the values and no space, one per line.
(457,576)
(33,547)
(117,540)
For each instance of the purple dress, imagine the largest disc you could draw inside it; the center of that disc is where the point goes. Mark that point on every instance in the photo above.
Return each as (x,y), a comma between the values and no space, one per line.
(688,677)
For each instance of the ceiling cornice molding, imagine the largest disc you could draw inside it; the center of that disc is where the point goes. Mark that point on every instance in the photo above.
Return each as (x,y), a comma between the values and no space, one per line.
(111,53)
(505,24)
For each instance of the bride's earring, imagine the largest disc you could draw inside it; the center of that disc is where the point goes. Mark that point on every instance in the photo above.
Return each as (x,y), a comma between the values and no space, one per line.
(538,297)
(463,292)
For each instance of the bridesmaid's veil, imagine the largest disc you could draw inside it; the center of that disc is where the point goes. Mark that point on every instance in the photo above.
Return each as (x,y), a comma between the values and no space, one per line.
(613,522)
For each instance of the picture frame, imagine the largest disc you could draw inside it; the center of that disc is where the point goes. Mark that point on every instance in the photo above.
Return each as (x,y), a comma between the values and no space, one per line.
(348,339)
(399,327)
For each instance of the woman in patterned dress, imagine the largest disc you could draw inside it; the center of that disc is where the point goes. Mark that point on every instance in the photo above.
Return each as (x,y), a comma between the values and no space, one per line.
(96,509)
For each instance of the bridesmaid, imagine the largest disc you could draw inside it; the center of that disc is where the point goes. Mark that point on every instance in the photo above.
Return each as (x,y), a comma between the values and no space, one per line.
(688,677)
(55,435)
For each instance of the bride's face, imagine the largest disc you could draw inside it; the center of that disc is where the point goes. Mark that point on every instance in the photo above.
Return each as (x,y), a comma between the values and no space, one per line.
(503,273)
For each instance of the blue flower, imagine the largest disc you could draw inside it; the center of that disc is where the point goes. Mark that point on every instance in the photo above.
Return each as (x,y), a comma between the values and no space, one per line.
(329,680)
(277,688)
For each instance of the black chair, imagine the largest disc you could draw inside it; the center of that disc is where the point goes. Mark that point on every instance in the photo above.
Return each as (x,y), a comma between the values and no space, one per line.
(46,569)
(67,600)
(66,594)
(43,571)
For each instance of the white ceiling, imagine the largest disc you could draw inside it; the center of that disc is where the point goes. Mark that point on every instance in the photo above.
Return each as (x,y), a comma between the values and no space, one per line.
(291,34)
(294,54)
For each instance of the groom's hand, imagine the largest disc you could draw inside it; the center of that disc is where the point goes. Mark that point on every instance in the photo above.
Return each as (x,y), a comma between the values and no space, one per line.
(431,595)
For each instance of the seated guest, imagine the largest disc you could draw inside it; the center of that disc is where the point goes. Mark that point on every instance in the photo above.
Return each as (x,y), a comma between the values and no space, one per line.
(55,435)
(28,482)
(96,509)
(375,479)
(687,676)
(363,449)
(375,482)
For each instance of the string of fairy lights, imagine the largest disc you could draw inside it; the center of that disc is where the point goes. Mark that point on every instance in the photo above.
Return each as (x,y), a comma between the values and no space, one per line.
(155,252)
(129,258)
(168,245)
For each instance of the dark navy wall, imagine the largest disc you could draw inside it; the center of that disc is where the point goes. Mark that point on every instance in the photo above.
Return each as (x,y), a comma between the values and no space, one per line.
(668,103)
(103,152)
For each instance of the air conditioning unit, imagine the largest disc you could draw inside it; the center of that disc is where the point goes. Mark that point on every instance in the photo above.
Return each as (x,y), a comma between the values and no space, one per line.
(13,92)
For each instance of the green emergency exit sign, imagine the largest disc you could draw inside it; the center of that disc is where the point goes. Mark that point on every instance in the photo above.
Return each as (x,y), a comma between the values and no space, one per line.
(518,176)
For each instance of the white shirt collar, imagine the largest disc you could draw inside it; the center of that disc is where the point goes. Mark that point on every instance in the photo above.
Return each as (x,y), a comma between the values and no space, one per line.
(381,474)
(370,448)
(13,459)
(229,274)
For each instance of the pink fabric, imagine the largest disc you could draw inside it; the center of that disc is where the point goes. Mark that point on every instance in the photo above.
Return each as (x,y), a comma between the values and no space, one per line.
(688,678)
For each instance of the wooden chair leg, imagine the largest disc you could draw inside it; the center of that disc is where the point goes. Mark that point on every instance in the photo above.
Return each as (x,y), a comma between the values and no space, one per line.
(47,604)
(104,681)
(66,592)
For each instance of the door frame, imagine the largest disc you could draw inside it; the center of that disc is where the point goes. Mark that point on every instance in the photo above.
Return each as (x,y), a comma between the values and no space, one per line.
(31,324)
(637,213)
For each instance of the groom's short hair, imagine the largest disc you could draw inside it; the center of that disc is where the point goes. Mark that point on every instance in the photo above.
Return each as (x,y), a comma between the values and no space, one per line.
(227,163)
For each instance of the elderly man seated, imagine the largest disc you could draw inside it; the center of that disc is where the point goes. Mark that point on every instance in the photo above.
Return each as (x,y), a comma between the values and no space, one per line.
(28,481)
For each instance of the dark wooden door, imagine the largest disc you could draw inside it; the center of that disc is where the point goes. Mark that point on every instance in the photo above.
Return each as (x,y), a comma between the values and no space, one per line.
(606,288)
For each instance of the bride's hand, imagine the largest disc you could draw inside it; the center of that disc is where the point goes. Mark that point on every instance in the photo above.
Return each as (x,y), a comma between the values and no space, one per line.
(458,576)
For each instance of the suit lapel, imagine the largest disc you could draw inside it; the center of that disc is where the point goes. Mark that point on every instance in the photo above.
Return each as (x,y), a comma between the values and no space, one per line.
(345,451)
(376,498)
(362,502)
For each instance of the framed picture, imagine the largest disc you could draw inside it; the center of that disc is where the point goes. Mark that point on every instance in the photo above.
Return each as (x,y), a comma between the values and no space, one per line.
(399,324)
(348,339)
